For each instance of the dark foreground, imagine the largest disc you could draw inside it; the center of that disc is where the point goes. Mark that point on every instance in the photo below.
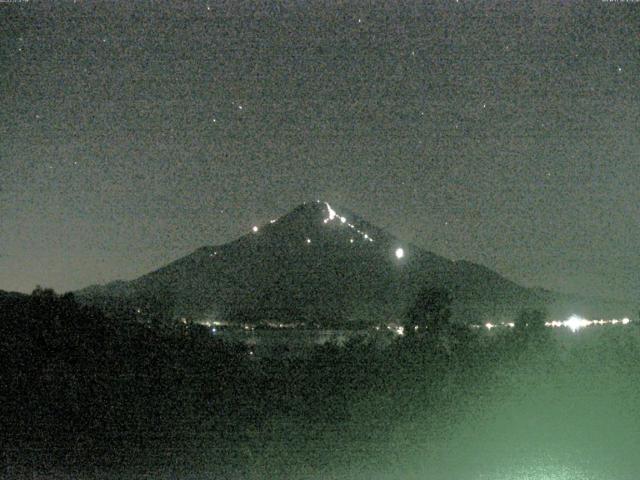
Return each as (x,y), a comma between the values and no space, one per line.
(84,396)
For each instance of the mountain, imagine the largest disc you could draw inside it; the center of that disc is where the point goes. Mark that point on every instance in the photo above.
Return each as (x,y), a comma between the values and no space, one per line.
(318,264)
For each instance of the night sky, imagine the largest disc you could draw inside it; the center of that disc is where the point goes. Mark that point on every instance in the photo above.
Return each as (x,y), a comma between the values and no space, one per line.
(508,134)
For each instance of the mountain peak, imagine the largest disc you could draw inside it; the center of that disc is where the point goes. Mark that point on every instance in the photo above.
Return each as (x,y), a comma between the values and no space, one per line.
(315,219)
(317,263)
(313,207)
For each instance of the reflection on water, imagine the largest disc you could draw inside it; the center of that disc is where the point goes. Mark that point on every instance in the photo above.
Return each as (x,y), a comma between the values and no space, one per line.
(291,341)
(565,411)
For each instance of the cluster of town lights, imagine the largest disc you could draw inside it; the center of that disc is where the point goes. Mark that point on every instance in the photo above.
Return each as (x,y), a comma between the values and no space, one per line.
(573,323)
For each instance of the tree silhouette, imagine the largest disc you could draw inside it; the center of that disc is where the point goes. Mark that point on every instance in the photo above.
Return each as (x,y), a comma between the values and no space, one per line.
(46,293)
(430,313)
(530,321)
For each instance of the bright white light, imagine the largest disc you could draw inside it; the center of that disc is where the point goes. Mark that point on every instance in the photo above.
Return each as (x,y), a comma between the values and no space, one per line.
(625,321)
(332,212)
(333,215)
(575,323)
(308,240)
(351,240)
(399,253)
(255,229)
(272,221)
(489,325)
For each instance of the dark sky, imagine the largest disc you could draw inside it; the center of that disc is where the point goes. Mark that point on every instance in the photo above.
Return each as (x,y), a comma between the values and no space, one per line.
(132,133)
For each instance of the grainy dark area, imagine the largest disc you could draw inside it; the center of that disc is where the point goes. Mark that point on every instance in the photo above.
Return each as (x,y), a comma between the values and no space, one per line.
(319,240)
(90,396)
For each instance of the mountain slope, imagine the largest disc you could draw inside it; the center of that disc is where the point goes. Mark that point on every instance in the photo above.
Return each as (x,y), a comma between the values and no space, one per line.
(315,264)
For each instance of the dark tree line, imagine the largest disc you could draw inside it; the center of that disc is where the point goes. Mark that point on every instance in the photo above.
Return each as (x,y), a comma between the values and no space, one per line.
(105,389)
(430,314)
(88,384)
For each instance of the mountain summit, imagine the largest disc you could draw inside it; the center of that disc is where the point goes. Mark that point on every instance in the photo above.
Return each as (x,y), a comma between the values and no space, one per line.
(318,264)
